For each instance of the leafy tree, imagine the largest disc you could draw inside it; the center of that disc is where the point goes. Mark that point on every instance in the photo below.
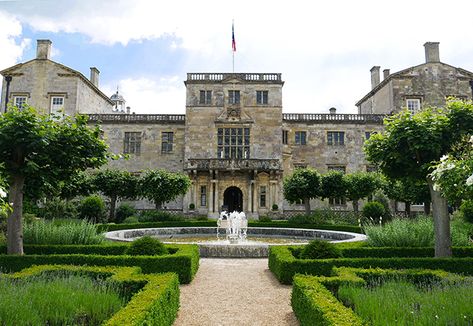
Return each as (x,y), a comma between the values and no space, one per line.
(409,191)
(115,184)
(161,186)
(34,144)
(79,184)
(333,185)
(360,185)
(411,143)
(302,185)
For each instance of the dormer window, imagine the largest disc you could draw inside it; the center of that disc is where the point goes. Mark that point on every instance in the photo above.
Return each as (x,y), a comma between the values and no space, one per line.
(233,97)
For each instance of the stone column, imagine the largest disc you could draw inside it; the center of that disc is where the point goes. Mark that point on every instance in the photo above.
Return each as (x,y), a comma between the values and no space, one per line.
(249,196)
(273,185)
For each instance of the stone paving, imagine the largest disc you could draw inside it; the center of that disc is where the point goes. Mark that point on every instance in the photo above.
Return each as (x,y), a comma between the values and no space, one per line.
(235,292)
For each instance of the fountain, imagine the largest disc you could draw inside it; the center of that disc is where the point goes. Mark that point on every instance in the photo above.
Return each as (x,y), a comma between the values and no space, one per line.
(235,224)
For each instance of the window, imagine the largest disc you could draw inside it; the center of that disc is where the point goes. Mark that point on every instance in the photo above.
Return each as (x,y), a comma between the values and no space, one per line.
(132,143)
(413,105)
(205,97)
(284,136)
(233,97)
(167,139)
(203,195)
(261,97)
(57,103)
(300,137)
(340,168)
(335,138)
(262,196)
(233,143)
(19,101)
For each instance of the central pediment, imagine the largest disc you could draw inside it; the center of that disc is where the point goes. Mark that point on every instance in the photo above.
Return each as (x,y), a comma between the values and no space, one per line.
(232,114)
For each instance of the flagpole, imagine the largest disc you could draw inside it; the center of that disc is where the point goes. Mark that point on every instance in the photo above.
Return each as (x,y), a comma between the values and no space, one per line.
(233,46)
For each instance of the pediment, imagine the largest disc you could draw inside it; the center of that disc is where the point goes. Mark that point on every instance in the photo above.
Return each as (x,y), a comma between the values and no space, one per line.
(234,114)
(232,80)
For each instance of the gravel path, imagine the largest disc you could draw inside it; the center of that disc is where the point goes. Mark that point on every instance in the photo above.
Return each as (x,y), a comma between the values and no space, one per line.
(235,292)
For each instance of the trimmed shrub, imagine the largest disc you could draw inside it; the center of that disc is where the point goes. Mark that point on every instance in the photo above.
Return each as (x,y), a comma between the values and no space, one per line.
(275,207)
(305,219)
(373,210)
(124,211)
(147,246)
(466,210)
(264,219)
(191,206)
(158,216)
(318,249)
(130,220)
(92,208)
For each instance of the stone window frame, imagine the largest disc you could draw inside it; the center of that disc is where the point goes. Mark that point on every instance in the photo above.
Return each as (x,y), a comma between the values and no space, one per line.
(335,138)
(262,97)
(203,195)
(285,136)
(167,141)
(234,96)
(233,143)
(17,96)
(205,97)
(300,137)
(54,108)
(263,192)
(414,108)
(132,142)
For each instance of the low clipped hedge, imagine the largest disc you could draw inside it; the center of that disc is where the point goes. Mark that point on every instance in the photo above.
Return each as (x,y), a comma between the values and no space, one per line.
(183,260)
(313,301)
(285,265)
(272,224)
(154,297)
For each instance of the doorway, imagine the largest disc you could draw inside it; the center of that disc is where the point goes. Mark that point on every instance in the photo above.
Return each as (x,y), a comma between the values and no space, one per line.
(233,199)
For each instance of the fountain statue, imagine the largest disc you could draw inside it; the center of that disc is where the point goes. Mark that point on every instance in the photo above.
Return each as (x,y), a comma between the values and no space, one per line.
(235,224)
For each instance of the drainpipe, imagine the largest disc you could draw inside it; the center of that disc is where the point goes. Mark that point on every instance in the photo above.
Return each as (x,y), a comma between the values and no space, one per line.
(7,93)
(471,86)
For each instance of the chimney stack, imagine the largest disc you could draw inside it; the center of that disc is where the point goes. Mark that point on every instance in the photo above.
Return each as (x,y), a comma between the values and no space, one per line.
(432,52)
(385,73)
(333,110)
(128,110)
(375,76)
(43,49)
(94,76)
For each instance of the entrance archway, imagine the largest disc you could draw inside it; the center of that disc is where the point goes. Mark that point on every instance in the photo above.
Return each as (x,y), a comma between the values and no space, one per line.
(233,199)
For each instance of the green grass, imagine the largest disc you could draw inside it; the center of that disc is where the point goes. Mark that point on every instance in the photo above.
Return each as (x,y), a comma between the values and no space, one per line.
(402,303)
(45,232)
(48,300)
(418,232)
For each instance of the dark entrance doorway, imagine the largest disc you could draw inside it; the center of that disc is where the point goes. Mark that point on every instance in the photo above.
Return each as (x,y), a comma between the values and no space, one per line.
(233,199)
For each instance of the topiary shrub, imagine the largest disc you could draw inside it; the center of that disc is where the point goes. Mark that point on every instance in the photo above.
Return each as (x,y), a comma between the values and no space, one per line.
(147,246)
(92,208)
(373,210)
(466,210)
(265,219)
(319,249)
(124,211)
(275,207)
(191,206)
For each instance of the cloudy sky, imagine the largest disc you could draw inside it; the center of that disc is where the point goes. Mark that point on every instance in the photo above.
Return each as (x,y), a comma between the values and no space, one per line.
(324,50)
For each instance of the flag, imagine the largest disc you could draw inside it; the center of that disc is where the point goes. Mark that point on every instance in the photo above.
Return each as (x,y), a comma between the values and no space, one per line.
(233,39)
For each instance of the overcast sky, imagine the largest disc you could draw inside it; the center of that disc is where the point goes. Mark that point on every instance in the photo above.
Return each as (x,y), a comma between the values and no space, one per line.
(324,50)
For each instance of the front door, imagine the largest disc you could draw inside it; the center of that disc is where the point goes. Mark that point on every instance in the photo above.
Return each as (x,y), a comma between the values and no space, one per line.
(233,199)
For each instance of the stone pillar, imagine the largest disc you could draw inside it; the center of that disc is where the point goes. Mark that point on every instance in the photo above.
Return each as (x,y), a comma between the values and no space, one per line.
(274,194)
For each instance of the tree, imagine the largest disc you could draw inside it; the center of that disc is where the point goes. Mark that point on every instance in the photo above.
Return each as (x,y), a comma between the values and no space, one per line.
(409,191)
(333,185)
(302,185)
(410,145)
(360,185)
(115,184)
(34,144)
(79,184)
(161,186)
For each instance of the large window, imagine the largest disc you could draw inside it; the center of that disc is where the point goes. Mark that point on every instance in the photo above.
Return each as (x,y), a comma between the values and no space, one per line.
(233,97)
(233,143)
(57,103)
(262,196)
(203,195)
(413,105)
(205,97)
(261,97)
(300,137)
(132,143)
(19,101)
(167,139)
(335,138)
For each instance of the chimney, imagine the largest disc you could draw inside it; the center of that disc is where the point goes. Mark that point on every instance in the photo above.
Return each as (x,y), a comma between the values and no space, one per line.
(128,109)
(43,49)
(94,76)
(385,73)
(333,110)
(432,52)
(374,76)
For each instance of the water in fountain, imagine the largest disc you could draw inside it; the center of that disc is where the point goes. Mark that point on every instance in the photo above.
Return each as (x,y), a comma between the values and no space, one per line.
(235,225)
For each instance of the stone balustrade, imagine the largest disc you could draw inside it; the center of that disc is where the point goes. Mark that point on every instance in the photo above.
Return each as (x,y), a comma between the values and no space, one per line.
(233,164)
(138,118)
(333,118)
(249,77)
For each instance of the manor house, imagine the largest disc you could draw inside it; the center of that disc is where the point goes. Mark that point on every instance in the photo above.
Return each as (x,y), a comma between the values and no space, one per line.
(234,141)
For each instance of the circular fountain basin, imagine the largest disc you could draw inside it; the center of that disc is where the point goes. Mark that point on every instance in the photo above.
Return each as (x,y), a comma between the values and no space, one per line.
(256,245)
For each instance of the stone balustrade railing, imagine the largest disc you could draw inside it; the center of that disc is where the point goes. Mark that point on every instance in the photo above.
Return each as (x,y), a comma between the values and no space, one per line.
(233,164)
(137,118)
(333,118)
(250,77)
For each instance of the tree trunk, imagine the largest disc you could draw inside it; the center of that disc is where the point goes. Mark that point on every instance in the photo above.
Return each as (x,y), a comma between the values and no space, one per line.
(307,206)
(408,208)
(158,205)
(113,204)
(355,206)
(14,223)
(443,242)
(427,207)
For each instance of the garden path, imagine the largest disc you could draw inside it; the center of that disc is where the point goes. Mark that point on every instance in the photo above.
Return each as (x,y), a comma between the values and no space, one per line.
(235,292)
